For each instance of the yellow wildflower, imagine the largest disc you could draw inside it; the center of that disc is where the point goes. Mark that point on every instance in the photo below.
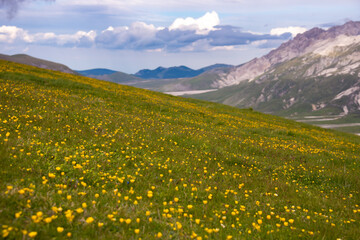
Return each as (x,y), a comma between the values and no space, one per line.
(32,234)
(150,194)
(89,220)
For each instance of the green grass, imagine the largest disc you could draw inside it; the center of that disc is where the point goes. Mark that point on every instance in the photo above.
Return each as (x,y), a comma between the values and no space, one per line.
(332,120)
(352,129)
(79,158)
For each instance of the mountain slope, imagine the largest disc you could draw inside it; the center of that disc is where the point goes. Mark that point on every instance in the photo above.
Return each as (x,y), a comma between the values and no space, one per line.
(120,77)
(325,78)
(110,75)
(302,44)
(88,159)
(203,81)
(36,62)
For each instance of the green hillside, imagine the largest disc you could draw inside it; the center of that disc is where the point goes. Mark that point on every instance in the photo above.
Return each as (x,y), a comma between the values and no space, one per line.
(88,159)
(119,77)
(37,62)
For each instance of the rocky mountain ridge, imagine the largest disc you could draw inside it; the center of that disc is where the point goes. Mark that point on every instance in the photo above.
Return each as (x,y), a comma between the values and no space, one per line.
(318,72)
(302,44)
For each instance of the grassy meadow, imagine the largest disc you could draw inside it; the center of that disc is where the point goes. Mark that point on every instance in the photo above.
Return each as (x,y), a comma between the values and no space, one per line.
(87,159)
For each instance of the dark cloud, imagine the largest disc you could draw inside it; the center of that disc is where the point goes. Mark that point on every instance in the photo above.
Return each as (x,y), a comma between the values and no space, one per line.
(138,36)
(175,39)
(12,6)
(145,37)
(228,35)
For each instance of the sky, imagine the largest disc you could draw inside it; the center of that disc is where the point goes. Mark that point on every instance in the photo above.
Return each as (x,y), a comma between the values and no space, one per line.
(129,35)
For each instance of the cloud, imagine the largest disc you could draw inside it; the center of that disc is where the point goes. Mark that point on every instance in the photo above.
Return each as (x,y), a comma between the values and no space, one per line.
(293,30)
(184,34)
(138,35)
(230,36)
(174,40)
(78,39)
(271,43)
(13,35)
(12,6)
(202,25)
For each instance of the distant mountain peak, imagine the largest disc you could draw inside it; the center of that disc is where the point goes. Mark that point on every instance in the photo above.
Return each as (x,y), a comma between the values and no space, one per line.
(350,28)
(156,69)
(96,72)
(175,72)
(310,34)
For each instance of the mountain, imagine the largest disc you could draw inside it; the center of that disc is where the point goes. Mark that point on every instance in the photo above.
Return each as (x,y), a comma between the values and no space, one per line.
(302,44)
(203,81)
(110,75)
(120,77)
(96,72)
(36,62)
(176,72)
(162,73)
(318,72)
(215,66)
(87,159)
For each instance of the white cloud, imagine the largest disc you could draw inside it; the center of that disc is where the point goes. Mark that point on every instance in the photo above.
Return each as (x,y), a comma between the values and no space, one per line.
(259,43)
(227,48)
(10,34)
(155,50)
(138,35)
(80,38)
(202,25)
(293,30)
